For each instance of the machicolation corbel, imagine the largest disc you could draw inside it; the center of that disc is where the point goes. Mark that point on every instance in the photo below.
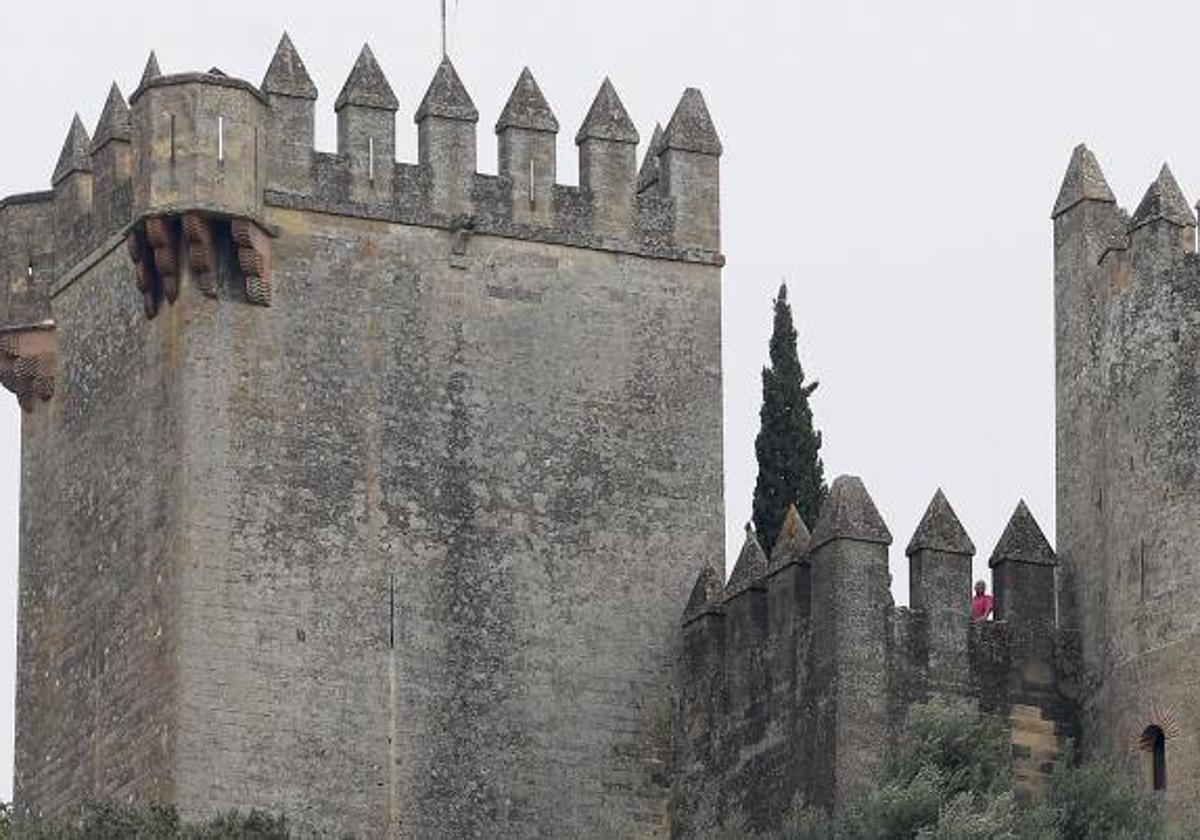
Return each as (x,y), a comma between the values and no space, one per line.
(162,245)
(29,361)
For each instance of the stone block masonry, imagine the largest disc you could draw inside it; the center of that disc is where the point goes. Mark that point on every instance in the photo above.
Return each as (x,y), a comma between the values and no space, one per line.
(370,491)
(799,693)
(1127,339)
(357,489)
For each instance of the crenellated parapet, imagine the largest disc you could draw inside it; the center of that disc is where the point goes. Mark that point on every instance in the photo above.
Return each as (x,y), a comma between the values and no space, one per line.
(210,144)
(187,171)
(799,671)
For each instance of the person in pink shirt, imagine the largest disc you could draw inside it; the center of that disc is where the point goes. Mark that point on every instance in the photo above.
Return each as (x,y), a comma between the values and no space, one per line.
(982,604)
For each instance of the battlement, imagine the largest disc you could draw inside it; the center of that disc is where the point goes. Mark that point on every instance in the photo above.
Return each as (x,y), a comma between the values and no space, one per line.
(798,671)
(192,166)
(209,142)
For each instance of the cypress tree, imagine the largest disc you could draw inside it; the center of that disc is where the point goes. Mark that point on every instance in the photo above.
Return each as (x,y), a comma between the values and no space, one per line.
(788,448)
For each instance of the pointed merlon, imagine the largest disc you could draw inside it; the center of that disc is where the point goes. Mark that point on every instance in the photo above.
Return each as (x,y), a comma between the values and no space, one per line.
(940,530)
(447,97)
(287,75)
(114,121)
(151,72)
(76,155)
(1023,541)
(1084,181)
(849,514)
(366,86)
(607,119)
(1163,201)
(648,175)
(750,567)
(706,594)
(792,543)
(527,108)
(691,127)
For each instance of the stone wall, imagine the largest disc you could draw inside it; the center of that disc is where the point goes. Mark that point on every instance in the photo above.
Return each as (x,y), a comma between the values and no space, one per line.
(1126,304)
(365,490)
(797,693)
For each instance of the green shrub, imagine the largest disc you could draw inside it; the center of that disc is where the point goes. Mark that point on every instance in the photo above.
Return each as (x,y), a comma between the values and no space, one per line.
(106,821)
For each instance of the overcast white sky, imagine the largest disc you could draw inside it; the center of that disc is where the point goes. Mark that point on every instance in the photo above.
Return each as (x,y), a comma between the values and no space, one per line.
(894,162)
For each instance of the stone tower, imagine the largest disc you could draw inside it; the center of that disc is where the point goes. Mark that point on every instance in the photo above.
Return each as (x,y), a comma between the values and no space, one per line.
(1127,337)
(361,490)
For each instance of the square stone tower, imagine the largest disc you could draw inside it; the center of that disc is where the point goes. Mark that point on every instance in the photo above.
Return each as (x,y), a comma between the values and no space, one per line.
(1128,441)
(360,490)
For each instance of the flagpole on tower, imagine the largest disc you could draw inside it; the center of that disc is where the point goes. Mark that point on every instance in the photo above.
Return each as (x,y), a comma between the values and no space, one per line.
(444,53)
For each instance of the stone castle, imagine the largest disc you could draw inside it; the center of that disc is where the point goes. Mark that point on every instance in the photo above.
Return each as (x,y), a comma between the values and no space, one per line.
(374,492)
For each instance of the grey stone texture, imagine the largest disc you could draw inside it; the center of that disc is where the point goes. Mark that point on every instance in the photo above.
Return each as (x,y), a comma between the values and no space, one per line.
(402,550)
(939,565)
(794,685)
(526,132)
(400,554)
(1128,435)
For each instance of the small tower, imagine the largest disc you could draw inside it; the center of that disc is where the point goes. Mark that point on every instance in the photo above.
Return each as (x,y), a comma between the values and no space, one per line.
(851,601)
(1023,565)
(1086,222)
(150,72)
(704,657)
(446,122)
(112,164)
(1163,217)
(746,623)
(702,706)
(366,127)
(648,175)
(72,182)
(607,143)
(291,95)
(790,569)
(527,131)
(939,573)
(691,173)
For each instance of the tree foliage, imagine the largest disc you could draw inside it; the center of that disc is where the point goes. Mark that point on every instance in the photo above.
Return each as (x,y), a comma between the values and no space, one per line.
(950,778)
(788,447)
(106,821)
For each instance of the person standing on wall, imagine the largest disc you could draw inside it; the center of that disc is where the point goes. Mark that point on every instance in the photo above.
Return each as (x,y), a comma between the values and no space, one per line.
(982,604)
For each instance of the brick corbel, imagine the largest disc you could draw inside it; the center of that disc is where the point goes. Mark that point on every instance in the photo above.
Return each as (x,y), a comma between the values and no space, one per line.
(254,258)
(160,245)
(29,361)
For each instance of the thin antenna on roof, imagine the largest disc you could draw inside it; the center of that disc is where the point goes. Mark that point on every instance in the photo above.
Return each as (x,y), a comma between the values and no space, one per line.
(444,53)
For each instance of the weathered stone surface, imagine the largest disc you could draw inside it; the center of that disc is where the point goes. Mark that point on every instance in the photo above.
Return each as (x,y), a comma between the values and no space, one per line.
(151,70)
(114,123)
(1023,541)
(940,530)
(409,529)
(1083,181)
(707,592)
(849,514)
(1163,201)
(446,96)
(750,567)
(366,86)
(287,75)
(691,128)
(648,174)
(607,119)
(791,546)
(76,152)
(527,107)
